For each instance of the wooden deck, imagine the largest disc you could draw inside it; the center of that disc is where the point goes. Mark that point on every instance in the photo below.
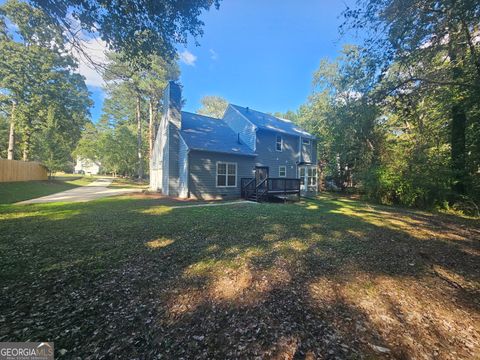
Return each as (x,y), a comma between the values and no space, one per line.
(269,187)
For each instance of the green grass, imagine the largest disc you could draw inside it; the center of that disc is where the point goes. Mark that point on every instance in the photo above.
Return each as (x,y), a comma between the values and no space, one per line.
(128,183)
(13,192)
(132,277)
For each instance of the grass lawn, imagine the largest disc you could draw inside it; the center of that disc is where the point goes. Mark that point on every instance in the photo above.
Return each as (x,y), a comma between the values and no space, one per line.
(13,192)
(128,183)
(130,277)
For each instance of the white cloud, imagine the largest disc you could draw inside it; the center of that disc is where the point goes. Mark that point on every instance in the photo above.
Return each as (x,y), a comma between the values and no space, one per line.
(213,54)
(95,51)
(188,58)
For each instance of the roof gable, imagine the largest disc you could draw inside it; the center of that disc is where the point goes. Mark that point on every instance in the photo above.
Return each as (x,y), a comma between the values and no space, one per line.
(269,122)
(209,134)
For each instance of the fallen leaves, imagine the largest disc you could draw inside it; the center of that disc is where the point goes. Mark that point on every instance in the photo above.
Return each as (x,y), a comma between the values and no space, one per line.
(315,280)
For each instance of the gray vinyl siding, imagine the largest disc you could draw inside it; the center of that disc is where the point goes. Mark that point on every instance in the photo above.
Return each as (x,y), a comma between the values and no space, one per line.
(183,169)
(173,161)
(269,156)
(241,126)
(159,174)
(165,158)
(203,173)
(180,171)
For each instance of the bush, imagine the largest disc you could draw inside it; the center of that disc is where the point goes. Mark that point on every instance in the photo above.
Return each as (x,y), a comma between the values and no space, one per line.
(389,186)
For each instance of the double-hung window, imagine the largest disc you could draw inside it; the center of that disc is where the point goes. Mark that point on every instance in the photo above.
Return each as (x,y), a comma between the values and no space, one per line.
(312,176)
(226,174)
(301,175)
(282,171)
(279,143)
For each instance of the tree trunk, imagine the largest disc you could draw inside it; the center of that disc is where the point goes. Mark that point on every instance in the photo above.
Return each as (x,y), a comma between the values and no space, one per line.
(11,135)
(457,130)
(320,176)
(139,138)
(459,120)
(26,144)
(151,129)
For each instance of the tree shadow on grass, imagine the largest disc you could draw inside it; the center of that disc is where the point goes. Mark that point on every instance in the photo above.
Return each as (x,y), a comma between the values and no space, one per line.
(326,279)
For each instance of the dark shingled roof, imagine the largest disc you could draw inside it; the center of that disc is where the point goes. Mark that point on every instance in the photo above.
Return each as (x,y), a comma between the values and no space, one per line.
(272,123)
(209,134)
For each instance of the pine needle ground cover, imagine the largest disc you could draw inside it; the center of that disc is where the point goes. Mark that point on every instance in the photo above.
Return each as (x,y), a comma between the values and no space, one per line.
(132,277)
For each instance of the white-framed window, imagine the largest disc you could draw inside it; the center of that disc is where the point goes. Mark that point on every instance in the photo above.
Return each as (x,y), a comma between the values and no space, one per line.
(226,174)
(279,143)
(282,171)
(312,176)
(306,141)
(308,175)
(301,175)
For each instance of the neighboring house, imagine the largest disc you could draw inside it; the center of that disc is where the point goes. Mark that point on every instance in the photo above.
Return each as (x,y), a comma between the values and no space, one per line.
(201,157)
(87,166)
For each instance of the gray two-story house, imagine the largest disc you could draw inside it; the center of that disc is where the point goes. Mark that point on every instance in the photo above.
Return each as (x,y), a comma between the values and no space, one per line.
(197,156)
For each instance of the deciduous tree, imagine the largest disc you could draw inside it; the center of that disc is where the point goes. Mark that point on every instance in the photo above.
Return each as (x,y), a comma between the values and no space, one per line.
(136,28)
(213,106)
(431,45)
(37,75)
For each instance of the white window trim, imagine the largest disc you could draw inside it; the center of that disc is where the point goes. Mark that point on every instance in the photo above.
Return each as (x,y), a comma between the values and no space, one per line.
(306,177)
(280,173)
(315,178)
(281,142)
(226,174)
(302,178)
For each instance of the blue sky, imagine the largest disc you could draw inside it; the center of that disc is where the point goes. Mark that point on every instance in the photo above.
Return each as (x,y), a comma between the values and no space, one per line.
(260,54)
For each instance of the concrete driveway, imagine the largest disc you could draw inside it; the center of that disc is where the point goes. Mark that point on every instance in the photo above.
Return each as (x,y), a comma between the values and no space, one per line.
(95,190)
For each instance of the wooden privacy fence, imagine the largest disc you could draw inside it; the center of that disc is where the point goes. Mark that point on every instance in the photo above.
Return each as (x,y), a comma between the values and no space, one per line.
(15,170)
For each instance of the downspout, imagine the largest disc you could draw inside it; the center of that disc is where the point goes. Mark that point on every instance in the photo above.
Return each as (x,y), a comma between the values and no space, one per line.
(299,154)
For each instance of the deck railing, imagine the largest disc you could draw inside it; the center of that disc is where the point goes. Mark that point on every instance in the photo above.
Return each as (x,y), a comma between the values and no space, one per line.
(247,186)
(286,185)
(269,186)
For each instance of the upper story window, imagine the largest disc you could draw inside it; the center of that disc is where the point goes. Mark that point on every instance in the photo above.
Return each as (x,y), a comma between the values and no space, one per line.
(279,143)
(306,141)
(282,171)
(226,174)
